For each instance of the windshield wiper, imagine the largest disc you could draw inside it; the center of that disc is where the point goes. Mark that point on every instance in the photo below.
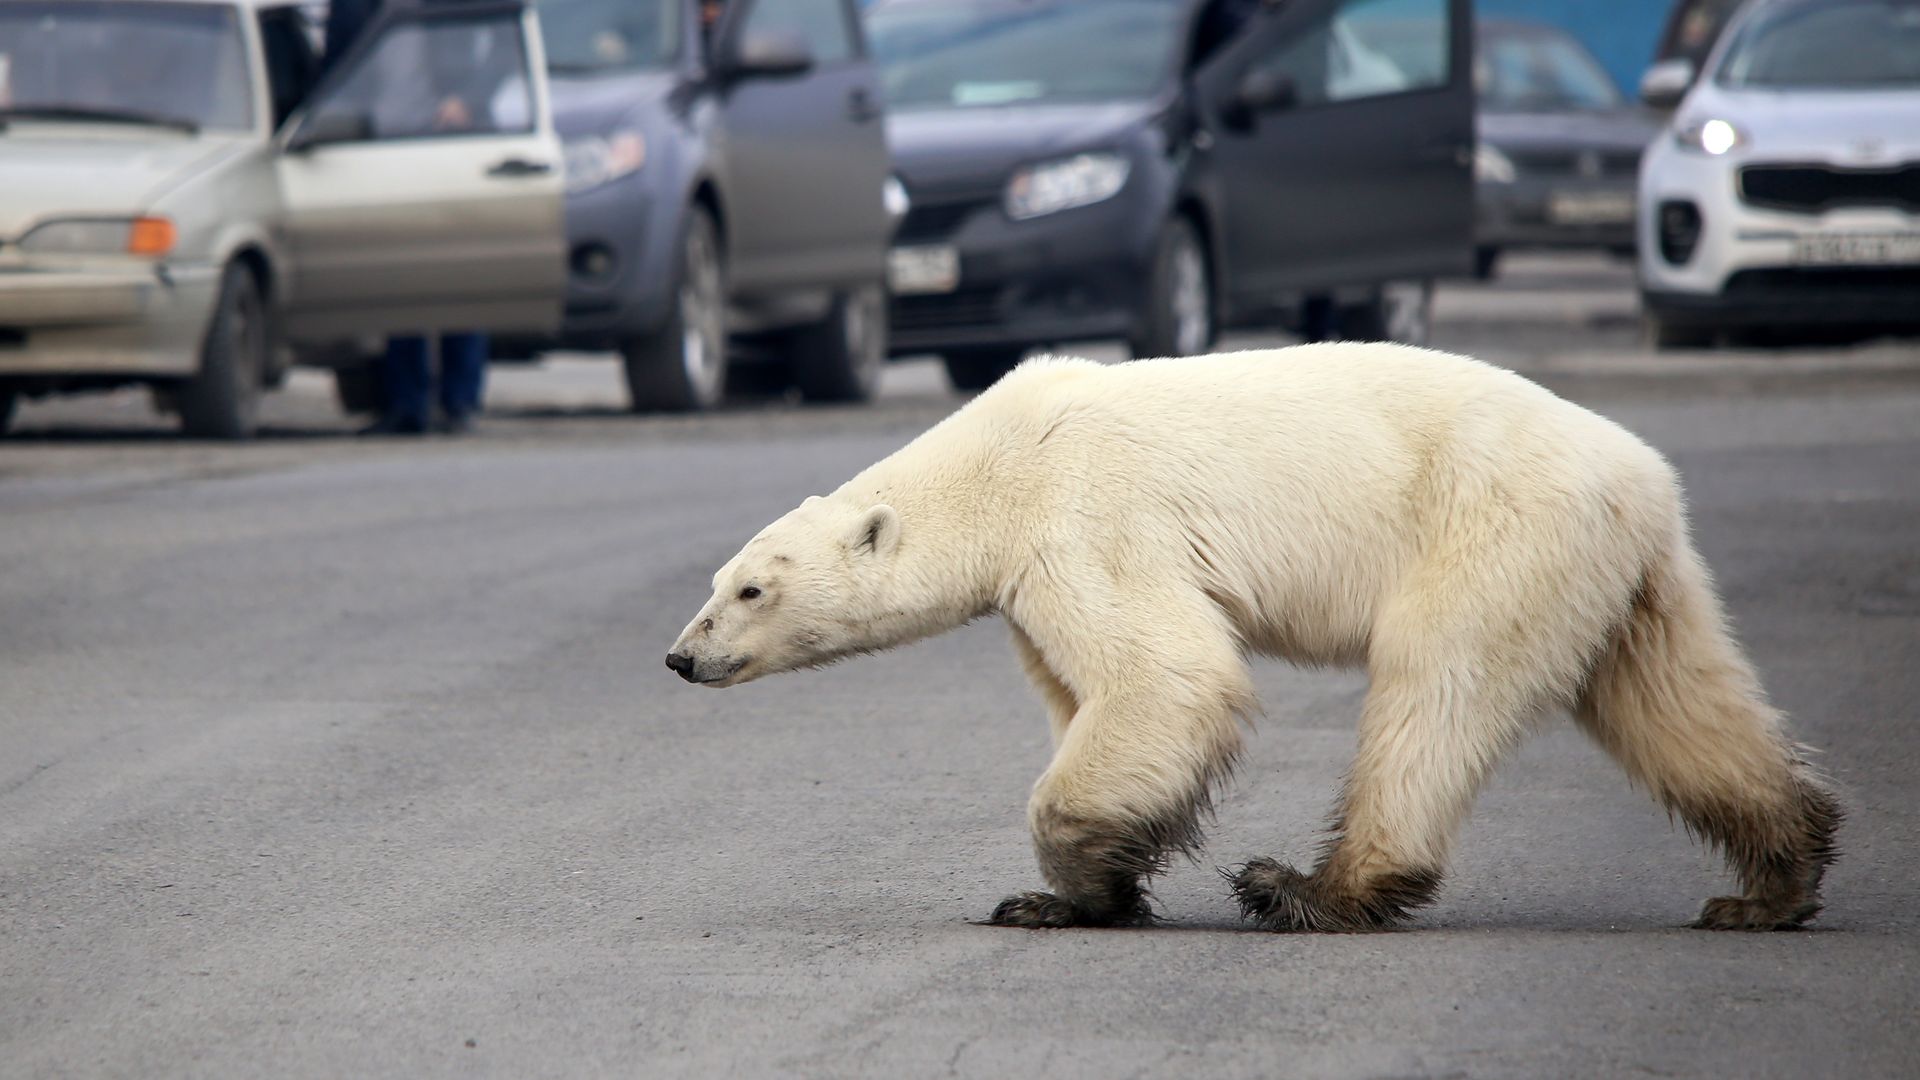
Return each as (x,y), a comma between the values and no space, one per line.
(93,114)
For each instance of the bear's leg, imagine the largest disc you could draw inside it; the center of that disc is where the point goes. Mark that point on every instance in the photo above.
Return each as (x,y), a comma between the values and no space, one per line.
(1676,704)
(1426,746)
(1133,769)
(1061,704)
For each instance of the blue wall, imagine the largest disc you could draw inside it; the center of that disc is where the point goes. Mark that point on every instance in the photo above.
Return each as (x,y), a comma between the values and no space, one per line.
(1621,33)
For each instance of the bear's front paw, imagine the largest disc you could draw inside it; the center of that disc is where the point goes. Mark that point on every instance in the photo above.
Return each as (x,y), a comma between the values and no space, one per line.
(1045,911)
(1740,913)
(1273,894)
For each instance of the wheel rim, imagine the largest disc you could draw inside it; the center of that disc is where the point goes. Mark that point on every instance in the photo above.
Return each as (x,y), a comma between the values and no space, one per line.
(1409,311)
(1192,309)
(860,323)
(702,337)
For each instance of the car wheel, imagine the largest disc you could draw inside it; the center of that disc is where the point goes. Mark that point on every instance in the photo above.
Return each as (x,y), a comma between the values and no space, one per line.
(360,388)
(223,400)
(1400,311)
(682,366)
(1179,316)
(841,357)
(1486,263)
(977,369)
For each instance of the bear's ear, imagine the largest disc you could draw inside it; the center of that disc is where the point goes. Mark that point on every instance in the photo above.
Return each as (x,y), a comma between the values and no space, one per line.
(878,531)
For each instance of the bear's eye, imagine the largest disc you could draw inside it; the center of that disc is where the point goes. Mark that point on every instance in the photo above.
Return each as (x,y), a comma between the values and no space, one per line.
(751,592)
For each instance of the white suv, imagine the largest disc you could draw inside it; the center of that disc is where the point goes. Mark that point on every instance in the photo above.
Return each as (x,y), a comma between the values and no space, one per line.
(1785,197)
(184,192)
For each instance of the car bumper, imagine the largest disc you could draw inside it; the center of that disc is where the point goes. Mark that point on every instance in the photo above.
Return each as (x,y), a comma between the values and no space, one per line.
(1558,213)
(1745,269)
(142,320)
(1072,276)
(619,265)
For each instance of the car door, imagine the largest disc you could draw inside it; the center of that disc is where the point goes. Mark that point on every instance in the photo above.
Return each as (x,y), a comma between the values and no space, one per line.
(1343,143)
(421,183)
(806,153)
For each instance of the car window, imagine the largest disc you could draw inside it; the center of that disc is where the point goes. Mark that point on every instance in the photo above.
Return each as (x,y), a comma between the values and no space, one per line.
(1841,44)
(1540,71)
(184,63)
(459,76)
(592,37)
(1366,48)
(825,24)
(292,62)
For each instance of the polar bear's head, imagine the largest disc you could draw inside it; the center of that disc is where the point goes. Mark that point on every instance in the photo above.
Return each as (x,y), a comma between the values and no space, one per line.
(808,590)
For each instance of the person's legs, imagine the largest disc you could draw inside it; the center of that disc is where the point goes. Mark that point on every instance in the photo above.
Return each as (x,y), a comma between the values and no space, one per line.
(408,377)
(463,375)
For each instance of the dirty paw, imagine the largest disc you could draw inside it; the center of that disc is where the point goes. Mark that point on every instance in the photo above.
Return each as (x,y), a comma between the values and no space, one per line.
(1741,913)
(1273,894)
(1045,911)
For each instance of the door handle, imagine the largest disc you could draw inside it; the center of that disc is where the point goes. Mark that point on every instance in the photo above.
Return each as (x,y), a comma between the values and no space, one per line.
(519,167)
(860,106)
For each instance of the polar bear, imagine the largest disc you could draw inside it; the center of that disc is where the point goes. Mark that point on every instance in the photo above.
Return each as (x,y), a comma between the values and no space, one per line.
(1486,550)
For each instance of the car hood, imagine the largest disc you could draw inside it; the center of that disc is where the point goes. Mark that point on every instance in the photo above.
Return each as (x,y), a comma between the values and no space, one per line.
(944,148)
(1599,129)
(1859,127)
(73,171)
(599,104)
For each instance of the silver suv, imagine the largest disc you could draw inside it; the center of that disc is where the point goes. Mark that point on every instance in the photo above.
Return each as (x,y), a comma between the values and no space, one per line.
(186,195)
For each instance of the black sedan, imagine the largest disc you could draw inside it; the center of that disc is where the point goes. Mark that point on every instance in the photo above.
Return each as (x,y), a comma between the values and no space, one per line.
(1157,170)
(1559,148)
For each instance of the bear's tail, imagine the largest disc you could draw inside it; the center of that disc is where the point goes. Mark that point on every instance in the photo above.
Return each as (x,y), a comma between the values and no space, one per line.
(1676,703)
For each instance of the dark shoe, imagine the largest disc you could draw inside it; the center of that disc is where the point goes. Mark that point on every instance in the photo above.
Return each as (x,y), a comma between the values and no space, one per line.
(390,425)
(455,424)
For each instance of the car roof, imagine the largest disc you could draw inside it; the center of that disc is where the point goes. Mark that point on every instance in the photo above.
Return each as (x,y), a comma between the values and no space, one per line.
(249,4)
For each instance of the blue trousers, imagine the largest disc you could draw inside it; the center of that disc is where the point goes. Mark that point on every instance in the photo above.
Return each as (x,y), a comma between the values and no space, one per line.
(409,381)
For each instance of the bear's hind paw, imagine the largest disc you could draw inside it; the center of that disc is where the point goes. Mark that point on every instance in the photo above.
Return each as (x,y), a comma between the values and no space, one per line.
(1742,913)
(1279,898)
(1045,911)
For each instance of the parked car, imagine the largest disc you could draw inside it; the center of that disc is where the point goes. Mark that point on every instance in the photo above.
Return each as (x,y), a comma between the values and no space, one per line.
(725,190)
(1224,163)
(1559,149)
(1784,199)
(180,200)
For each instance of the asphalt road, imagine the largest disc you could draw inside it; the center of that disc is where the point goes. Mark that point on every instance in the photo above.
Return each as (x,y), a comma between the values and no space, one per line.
(326,757)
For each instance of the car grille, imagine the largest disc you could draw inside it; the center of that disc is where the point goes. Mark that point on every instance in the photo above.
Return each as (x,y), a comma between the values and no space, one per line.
(1576,162)
(1810,189)
(936,221)
(967,307)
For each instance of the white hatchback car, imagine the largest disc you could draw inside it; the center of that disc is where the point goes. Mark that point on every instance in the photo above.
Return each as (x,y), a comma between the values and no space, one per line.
(182,192)
(1784,200)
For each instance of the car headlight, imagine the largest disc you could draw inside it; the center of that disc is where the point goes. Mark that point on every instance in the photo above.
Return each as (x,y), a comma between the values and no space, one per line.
(1490,165)
(151,236)
(596,160)
(893,194)
(1053,186)
(1714,136)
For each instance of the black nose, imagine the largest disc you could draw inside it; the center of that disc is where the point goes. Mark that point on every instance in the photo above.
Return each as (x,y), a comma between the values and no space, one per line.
(681,664)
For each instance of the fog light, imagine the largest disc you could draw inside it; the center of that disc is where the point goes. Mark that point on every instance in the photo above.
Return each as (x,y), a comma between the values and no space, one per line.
(1679,226)
(594,260)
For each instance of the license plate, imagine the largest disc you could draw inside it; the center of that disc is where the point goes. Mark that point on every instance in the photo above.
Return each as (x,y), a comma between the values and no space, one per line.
(1590,208)
(1857,249)
(931,268)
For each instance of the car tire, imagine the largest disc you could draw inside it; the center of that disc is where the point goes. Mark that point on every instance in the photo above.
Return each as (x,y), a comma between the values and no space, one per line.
(976,369)
(1400,311)
(840,358)
(1179,317)
(682,367)
(9,400)
(222,401)
(1680,336)
(360,388)
(1486,263)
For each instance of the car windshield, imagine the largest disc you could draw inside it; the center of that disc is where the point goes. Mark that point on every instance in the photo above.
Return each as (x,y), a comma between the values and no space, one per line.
(961,53)
(1833,45)
(1540,71)
(594,37)
(177,65)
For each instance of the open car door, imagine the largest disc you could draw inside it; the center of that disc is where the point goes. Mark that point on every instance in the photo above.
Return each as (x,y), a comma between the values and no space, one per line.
(421,181)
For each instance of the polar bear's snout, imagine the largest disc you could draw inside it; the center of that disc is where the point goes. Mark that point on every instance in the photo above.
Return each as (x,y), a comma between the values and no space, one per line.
(682,664)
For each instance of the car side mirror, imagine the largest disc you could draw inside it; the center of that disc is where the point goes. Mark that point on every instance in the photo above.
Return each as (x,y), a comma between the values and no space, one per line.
(1666,82)
(328,128)
(1260,92)
(770,54)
